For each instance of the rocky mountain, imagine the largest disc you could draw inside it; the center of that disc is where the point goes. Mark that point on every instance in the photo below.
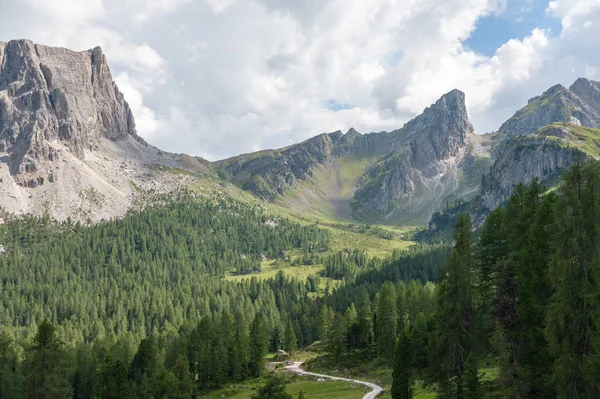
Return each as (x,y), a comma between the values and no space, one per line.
(68,147)
(399,176)
(543,138)
(68,144)
(414,179)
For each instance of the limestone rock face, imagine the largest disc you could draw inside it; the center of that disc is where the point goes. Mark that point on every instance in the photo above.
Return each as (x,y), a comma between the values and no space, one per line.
(524,158)
(55,95)
(68,144)
(588,91)
(419,174)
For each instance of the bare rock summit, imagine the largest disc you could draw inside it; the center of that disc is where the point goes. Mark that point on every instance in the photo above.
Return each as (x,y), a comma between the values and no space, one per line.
(68,143)
(50,95)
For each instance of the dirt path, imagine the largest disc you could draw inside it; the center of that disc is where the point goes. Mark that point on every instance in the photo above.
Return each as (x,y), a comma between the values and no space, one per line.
(375,389)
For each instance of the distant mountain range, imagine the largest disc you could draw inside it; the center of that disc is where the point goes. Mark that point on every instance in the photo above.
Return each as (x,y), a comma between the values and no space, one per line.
(69,148)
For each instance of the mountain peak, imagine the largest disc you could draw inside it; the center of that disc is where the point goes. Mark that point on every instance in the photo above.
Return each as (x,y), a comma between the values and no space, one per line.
(558,88)
(588,91)
(351,133)
(454,94)
(580,104)
(447,117)
(70,97)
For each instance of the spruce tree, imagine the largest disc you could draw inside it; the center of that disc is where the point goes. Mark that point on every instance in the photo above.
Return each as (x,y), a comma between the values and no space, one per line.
(113,382)
(291,342)
(365,321)
(10,373)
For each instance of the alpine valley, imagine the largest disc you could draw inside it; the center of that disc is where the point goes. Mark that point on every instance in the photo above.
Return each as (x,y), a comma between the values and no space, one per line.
(429,261)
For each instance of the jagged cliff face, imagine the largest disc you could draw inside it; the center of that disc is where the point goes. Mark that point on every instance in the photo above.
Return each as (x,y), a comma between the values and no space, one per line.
(56,95)
(542,155)
(68,147)
(270,173)
(544,138)
(68,144)
(409,183)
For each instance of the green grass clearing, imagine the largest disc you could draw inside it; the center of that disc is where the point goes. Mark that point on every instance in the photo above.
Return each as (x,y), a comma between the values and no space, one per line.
(311,388)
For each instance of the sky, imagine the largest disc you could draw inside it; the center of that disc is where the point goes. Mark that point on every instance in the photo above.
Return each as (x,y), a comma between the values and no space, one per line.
(216,78)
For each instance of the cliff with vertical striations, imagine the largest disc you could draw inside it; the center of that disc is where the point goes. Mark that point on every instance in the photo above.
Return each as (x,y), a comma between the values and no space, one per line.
(68,144)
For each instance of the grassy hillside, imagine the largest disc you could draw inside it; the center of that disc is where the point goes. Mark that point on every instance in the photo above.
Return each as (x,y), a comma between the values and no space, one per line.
(584,138)
(331,188)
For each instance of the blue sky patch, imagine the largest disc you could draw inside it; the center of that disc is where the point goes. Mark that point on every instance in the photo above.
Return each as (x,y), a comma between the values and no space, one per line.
(516,22)
(336,106)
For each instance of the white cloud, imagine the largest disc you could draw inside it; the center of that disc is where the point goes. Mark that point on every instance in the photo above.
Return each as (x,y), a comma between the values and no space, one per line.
(220,77)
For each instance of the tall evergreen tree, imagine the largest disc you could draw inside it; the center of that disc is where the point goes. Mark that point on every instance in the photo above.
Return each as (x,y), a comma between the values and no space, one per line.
(403,374)
(113,382)
(258,346)
(455,317)
(386,321)
(574,269)
(291,341)
(10,373)
(365,321)
(46,371)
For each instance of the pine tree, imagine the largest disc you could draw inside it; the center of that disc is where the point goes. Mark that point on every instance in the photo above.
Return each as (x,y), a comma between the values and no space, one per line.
(182,386)
(365,321)
(291,342)
(113,382)
(336,339)
(10,373)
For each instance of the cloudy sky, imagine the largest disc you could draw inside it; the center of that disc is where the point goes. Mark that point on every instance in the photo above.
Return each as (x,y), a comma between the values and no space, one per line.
(216,78)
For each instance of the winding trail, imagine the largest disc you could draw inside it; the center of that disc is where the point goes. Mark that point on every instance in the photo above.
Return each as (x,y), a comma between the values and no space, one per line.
(375,389)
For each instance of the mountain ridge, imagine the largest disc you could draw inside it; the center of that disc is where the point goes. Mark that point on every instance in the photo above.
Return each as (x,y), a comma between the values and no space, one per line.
(69,147)
(399,164)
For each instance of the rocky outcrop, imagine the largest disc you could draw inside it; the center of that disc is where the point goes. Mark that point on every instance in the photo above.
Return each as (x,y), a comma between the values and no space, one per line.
(54,95)
(542,155)
(557,104)
(588,91)
(417,175)
(68,144)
